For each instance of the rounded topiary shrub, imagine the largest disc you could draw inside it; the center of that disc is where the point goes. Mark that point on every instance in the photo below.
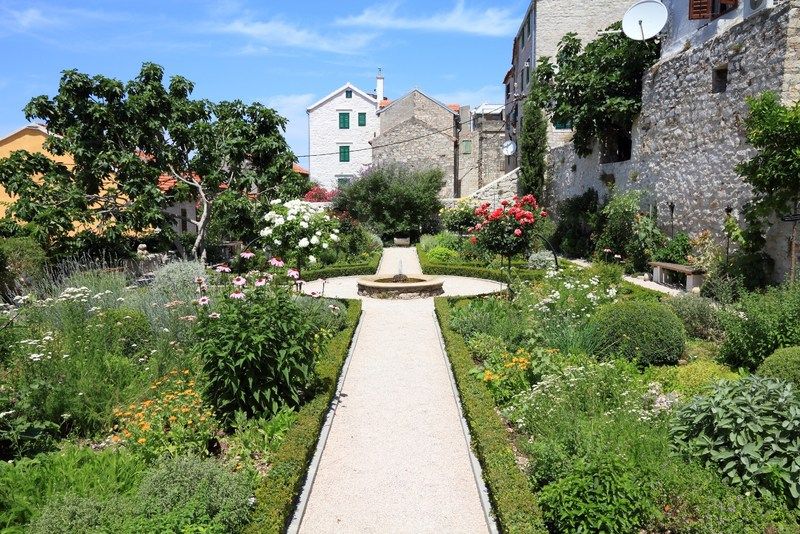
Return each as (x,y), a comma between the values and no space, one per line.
(783,364)
(443,255)
(647,332)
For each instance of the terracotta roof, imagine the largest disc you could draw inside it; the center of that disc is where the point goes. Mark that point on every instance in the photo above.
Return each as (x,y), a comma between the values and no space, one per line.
(385,102)
(454,107)
(299,169)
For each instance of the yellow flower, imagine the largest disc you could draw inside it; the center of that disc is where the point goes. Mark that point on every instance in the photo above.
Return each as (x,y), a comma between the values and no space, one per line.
(141,441)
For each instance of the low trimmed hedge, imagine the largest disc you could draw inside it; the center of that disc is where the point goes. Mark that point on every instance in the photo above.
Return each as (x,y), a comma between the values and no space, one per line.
(335,270)
(512,497)
(277,494)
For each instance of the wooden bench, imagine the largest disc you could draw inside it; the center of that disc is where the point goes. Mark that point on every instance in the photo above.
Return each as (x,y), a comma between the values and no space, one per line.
(694,275)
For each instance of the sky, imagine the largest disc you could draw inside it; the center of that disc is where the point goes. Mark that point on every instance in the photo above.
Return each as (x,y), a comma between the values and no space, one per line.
(285,54)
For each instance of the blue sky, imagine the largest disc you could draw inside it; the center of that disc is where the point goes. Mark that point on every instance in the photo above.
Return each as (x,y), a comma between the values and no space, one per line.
(286,54)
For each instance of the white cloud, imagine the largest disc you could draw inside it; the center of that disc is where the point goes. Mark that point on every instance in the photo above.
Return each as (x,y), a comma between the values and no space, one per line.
(489,94)
(293,107)
(26,19)
(279,33)
(492,22)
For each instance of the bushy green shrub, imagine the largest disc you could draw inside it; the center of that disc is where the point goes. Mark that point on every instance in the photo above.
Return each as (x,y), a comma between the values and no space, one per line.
(393,201)
(25,258)
(176,280)
(442,239)
(27,485)
(579,219)
(324,313)
(542,259)
(443,255)
(691,379)
(748,430)
(677,250)
(258,353)
(699,315)
(646,332)
(204,486)
(760,324)
(70,513)
(459,218)
(783,364)
(598,495)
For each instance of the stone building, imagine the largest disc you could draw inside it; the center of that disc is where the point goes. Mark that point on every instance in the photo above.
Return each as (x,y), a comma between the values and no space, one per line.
(340,127)
(544,24)
(421,133)
(689,136)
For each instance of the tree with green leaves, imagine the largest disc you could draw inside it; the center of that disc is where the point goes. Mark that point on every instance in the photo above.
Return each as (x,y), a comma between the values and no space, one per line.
(596,88)
(123,136)
(774,172)
(532,148)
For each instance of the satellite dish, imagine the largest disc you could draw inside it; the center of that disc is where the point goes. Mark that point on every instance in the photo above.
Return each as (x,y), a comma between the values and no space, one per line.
(509,147)
(645,19)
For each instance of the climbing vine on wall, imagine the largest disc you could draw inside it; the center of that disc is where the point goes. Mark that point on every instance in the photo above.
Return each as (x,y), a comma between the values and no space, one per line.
(596,88)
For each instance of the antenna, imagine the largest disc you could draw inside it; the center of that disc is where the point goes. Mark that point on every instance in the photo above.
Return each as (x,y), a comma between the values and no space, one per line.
(645,19)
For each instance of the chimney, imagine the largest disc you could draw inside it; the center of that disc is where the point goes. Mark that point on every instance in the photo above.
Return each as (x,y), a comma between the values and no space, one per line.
(379,87)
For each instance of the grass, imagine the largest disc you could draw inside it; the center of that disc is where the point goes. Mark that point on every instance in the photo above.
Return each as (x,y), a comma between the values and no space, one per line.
(512,497)
(277,494)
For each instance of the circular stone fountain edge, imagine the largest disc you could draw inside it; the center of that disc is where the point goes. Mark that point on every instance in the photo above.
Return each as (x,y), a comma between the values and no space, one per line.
(428,286)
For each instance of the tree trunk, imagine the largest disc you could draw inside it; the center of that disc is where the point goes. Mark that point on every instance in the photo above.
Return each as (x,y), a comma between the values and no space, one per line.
(199,247)
(793,268)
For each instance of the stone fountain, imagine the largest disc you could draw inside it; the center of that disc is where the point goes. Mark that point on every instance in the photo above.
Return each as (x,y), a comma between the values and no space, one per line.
(400,286)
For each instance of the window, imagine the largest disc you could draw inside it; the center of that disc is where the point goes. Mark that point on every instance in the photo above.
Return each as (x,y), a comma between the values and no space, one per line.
(719,79)
(710,9)
(466,146)
(562,125)
(528,23)
(344,153)
(508,91)
(184,220)
(344,120)
(348,93)
(343,180)
(362,119)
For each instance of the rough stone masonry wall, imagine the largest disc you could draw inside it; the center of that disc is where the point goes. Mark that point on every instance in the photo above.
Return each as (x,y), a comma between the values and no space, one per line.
(688,140)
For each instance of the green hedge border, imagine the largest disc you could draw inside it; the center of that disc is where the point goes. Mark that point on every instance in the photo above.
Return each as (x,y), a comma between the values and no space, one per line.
(332,271)
(627,289)
(278,492)
(513,499)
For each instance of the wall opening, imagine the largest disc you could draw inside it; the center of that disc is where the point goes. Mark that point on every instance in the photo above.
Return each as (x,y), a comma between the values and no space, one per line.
(719,79)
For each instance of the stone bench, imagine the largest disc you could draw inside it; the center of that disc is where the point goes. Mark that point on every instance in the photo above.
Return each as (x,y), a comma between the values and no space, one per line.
(694,275)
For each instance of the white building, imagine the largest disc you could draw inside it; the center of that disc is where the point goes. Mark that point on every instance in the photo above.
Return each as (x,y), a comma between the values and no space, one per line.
(340,127)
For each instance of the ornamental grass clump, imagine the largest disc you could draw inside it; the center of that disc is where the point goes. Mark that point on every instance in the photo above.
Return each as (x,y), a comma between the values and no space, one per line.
(645,332)
(259,349)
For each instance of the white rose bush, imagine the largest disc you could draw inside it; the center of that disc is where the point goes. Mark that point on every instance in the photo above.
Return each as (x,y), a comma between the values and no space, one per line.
(299,231)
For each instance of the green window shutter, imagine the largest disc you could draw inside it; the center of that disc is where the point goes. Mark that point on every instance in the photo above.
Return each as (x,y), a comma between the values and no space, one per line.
(362,119)
(348,93)
(344,154)
(466,146)
(344,120)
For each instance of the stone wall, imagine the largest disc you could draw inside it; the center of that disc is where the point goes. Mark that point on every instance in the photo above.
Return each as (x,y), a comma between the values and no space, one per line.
(503,188)
(689,139)
(486,162)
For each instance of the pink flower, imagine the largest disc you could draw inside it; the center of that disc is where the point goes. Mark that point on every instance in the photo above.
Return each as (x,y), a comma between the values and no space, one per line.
(517,232)
(315,294)
(239,281)
(214,315)
(247,255)
(237,294)
(223,269)
(276,262)
(293,273)
(199,280)
(203,301)
(261,282)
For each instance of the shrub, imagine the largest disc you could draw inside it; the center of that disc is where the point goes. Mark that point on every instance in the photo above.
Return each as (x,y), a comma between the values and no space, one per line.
(460,218)
(691,379)
(442,239)
(176,280)
(646,332)
(508,229)
(204,486)
(699,315)
(25,258)
(541,260)
(677,250)
(69,513)
(760,324)
(578,222)
(598,495)
(749,431)
(258,352)
(783,364)
(393,200)
(443,255)
(122,330)
(492,316)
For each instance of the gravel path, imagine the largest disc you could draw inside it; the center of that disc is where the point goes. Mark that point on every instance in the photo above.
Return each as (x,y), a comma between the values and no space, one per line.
(397,458)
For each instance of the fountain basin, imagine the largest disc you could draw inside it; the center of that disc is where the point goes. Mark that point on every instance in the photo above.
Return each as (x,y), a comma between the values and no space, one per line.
(382,286)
